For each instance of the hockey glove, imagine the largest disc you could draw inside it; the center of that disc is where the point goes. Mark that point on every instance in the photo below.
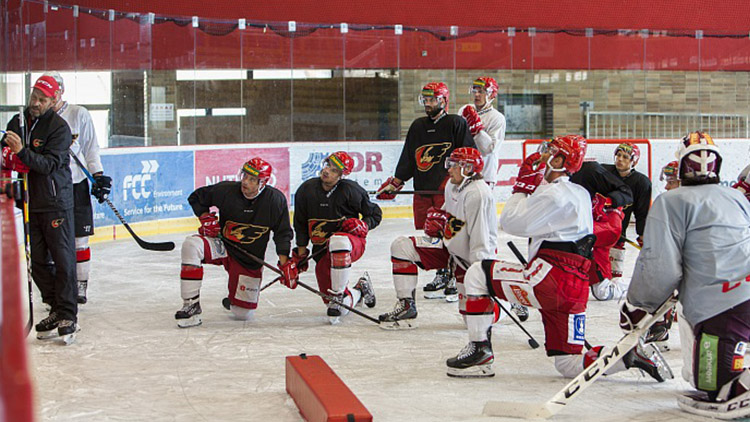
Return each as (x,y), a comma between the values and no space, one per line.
(744,187)
(472,118)
(101,188)
(290,274)
(435,222)
(630,317)
(297,258)
(600,205)
(356,227)
(390,185)
(12,162)
(529,178)
(209,225)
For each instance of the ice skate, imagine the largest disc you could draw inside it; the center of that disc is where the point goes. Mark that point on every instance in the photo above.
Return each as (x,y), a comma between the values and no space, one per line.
(451,292)
(402,317)
(45,328)
(190,314)
(67,330)
(473,361)
(226,303)
(334,310)
(521,311)
(364,285)
(82,286)
(658,334)
(436,288)
(648,359)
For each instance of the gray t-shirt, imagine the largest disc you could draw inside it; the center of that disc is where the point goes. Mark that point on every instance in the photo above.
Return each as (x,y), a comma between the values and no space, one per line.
(696,241)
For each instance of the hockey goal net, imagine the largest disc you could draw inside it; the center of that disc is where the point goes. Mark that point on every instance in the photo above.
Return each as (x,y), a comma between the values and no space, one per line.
(603,151)
(15,382)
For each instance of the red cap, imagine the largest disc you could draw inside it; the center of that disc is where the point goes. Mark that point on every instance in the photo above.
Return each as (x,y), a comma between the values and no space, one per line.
(48,85)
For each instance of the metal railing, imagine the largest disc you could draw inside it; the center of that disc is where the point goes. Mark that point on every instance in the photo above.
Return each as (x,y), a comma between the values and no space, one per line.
(622,125)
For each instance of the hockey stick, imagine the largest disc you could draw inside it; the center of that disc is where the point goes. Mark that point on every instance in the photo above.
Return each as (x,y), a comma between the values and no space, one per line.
(631,243)
(410,192)
(584,379)
(299,283)
(307,258)
(26,230)
(151,246)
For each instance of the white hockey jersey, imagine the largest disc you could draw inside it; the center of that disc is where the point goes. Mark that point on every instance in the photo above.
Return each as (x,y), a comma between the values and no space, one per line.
(473,203)
(489,139)
(558,212)
(696,241)
(85,145)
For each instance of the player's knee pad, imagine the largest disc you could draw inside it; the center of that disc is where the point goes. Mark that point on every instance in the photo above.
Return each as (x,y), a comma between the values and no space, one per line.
(83,253)
(193,250)
(340,248)
(475,280)
(479,305)
(242,314)
(191,272)
(402,248)
(569,366)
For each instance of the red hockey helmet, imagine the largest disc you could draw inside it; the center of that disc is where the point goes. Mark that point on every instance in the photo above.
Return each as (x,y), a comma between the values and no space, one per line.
(259,168)
(489,84)
(342,161)
(436,90)
(572,148)
(466,155)
(632,150)
(669,172)
(699,157)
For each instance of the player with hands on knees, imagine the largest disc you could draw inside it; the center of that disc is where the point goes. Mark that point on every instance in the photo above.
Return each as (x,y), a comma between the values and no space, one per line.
(249,212)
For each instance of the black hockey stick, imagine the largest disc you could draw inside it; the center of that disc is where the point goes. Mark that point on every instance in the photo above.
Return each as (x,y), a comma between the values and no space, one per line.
(410,192)
(323,295)
(307,258)
(151,246)
(26,231)
(522,260)
(631,243)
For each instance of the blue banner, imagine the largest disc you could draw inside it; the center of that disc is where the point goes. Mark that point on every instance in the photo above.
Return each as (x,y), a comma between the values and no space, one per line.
(147,186)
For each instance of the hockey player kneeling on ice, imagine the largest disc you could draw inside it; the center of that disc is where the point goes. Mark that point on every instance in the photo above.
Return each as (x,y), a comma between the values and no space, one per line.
(327,211)
(697,242)
(460,233)
(558,219)
(249,210)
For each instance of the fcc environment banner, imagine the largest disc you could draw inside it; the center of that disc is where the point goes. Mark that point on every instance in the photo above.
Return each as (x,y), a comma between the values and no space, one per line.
(147,186)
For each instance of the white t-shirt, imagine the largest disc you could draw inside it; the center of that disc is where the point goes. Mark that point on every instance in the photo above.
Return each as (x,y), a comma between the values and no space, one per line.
(85,145)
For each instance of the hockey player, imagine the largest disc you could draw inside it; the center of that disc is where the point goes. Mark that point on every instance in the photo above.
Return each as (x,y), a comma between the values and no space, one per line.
(249,210)
(85,148)
(429,141)
(333,212)
(609,194)
(461,232)
(697,242)
(627,155)
(558,219)
(669,175)
(743,182)
(486,124)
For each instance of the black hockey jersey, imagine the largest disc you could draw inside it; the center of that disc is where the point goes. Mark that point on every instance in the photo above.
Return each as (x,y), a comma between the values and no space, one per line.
(596,179)
(247,223)
(426,148)
(319,214)
(640,184)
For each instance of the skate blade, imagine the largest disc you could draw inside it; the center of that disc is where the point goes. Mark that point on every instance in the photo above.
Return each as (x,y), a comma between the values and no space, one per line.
(404,324)
(439,294)
(193,321)
(478,371)
(334,320)
(451,298)
(46,335)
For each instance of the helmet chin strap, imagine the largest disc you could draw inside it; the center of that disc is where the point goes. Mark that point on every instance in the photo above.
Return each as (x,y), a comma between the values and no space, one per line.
(549,165)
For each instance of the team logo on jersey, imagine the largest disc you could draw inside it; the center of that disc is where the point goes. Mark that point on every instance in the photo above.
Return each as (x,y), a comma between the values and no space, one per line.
(452,227)
(320,229)
(243,233)
(37,143)
(430,154)
(57,223)
(577,328)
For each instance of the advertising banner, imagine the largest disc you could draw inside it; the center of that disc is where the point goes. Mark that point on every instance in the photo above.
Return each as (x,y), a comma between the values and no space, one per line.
(215,165)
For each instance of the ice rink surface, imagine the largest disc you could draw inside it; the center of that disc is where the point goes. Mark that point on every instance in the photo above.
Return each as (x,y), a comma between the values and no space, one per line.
(132,363)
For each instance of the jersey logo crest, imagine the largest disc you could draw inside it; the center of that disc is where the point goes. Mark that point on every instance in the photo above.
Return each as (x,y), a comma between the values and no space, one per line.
(452,227)
(243,233)
(430,154)
(320,229)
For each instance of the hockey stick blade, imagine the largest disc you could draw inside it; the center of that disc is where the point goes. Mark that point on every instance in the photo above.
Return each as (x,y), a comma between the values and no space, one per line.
(584,380)
(150,246)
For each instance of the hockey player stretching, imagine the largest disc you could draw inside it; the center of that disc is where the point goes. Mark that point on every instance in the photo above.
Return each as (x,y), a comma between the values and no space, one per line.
(335,213)
(463,231)
(697,242)
(557,217)
(249,211)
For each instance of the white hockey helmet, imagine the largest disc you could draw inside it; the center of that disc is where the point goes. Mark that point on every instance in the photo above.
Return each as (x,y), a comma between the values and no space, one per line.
(699,157)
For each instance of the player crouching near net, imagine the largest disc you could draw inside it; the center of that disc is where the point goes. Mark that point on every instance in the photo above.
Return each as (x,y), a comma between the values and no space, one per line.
(462,231)
(697,242)
(557,217)
(249,210)
(327,212)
